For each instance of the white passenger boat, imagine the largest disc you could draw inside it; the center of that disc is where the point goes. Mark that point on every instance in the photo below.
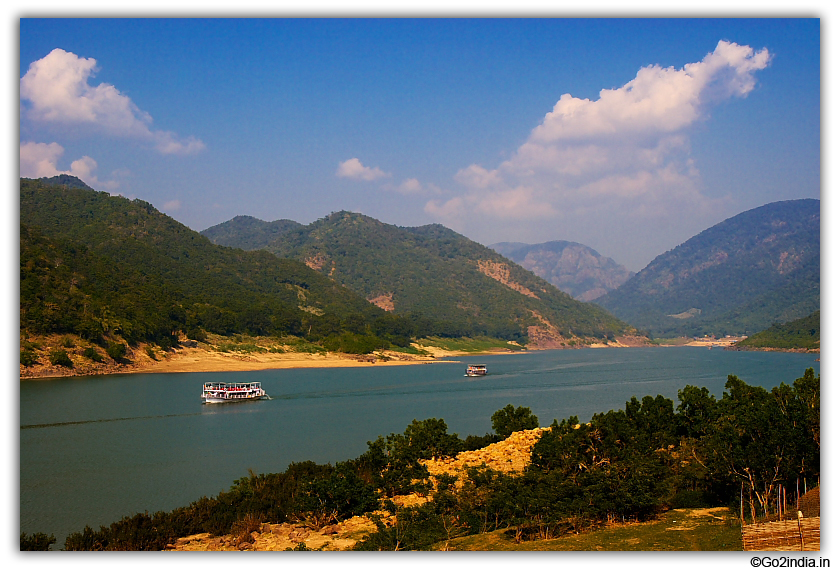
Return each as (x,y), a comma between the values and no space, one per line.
(221,392)
(476,370)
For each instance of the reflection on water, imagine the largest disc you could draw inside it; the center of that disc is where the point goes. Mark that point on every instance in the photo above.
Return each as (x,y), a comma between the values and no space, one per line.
(95,449)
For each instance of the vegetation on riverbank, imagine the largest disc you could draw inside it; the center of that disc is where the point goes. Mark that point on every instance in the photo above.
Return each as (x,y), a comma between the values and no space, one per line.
(625,465)
(801,334)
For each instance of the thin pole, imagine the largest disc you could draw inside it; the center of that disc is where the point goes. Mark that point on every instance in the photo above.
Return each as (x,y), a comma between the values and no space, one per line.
(784,500)
(797,493)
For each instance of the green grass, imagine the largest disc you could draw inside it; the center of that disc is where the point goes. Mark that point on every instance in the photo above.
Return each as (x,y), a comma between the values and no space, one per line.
(676,530)
(464,344)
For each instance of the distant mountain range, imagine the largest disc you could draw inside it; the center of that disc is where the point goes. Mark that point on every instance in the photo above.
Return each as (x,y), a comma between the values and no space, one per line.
(737,277)
(572,267)
(431,271)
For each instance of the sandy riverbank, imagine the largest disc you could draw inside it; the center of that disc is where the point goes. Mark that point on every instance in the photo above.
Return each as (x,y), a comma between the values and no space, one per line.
(198,360)
(206,359)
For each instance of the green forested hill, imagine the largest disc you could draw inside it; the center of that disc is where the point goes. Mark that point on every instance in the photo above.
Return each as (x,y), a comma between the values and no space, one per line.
(799,334)
(96,264)
(740,276)
(439,274)
(247,232)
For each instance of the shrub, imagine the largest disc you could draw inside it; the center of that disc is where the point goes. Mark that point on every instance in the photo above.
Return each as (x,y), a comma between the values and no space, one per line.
(197,333)
(242,529)
(58,357)
(67,342)
(116,350)
(92,354)
(37,541)
(28,357)
(151,352)
(30,345)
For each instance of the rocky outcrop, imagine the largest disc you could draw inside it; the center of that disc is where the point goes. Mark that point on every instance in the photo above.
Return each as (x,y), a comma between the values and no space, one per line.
(385,302)
(501,273)
(285,536)
(512,455)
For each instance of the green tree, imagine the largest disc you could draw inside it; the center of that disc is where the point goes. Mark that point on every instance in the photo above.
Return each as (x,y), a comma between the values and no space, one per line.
(762,439)
(333,498)
(396,458)
(509,420)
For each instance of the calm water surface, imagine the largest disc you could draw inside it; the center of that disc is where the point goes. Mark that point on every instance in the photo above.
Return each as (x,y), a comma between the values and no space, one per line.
(95,449)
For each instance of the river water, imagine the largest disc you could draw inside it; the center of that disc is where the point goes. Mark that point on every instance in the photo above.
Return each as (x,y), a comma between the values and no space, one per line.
(95,449)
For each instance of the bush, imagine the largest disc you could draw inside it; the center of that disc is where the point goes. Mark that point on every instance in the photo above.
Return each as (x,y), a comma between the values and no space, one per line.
(58,357)
(67,342)
(242,529)
(151,352)
(28,357)
(37,541)
(473,442)
(30,345)
(116,350)
(197,334)
(92,354)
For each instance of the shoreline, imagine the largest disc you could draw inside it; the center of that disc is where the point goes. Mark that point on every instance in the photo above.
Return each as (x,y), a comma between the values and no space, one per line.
(193,360)
(186,360)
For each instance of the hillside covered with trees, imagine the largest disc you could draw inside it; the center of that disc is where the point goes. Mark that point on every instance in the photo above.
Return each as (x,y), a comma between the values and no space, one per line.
(443,276)
(737,277)
(103,266)
(801,334)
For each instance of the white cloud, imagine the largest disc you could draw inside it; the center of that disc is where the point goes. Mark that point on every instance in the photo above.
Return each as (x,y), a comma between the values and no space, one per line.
(39,160)
(625,155)
(57,91)
(413,187)
(658,100)
(172,206)
(410,186)
(354,169)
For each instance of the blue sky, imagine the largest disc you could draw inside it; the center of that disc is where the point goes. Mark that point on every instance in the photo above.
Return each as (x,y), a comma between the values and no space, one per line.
(627,135)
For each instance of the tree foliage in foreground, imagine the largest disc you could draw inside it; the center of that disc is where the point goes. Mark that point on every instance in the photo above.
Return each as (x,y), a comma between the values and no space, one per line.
(625,465)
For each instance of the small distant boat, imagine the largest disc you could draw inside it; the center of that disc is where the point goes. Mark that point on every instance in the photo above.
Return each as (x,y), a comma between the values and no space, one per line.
(476,370)
(221,392)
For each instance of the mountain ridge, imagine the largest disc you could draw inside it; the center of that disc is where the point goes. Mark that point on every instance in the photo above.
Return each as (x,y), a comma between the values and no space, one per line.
(438,273)
(737,277)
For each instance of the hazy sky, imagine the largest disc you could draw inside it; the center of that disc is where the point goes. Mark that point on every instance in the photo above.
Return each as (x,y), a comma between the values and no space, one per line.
(627,135)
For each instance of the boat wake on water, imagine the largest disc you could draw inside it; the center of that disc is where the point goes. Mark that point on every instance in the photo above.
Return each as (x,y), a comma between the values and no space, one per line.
(80,422)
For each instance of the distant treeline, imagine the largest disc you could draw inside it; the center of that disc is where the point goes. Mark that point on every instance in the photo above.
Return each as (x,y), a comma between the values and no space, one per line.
(623,465)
